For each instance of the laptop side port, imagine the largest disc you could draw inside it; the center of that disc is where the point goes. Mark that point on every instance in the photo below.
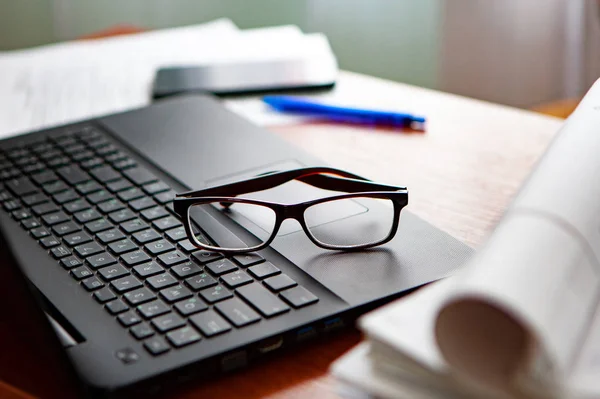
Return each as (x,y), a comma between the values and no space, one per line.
(305,333)
(270,345)
(333,324)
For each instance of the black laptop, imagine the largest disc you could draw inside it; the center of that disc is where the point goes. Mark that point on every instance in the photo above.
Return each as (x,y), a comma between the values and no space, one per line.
(87,216)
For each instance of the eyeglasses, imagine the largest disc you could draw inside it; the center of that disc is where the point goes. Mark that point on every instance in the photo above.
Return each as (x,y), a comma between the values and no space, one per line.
(368,229)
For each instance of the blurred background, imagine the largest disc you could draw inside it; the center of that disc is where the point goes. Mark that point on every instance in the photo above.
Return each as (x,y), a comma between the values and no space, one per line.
(524,53)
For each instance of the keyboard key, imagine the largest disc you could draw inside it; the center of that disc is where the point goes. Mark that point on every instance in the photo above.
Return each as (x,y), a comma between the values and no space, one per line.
(77,206)
(125,284)
(186,269)
(73,174)
(133,225)
(87,216)
(88,249)
(112,205)
(39,232)
(145,236)
(129,318)
(204,257)
(118,185)
(54,218)
(70,262)
(115,307)
(121,216)
(166,197)
(172,258)
(155,188)
(200,281)
(21,214)
(175,293)
(58,162)
(65,228)
(81,272)
(215,294)
(156,346)
(159,247)
(125,164)
(210,323)
(92,284)
(298,297)
(34,168)
(55,187)
(142,203)
(153,309)
(65,196)
(45,208)
(279,283)
(263,270)
(122,246)
(98,226)
(82,156)
(261,299)
(130,194)
(221,266)
(49,242)
(92,163)
(154,213)
(236,279)
(142,331)
(101,260)
(237,312)
(116,157)
(190,306)
(161,281)
(100,196)
(148,269)
(31,223)
(186,246)
(11,205)
(140,176)
(106,150)
(108,236)
(112,272)
(76,239)
(183,336)
(88,187)
(104,295)
(105,174)
(34,199)
(60,252)
(20,187)
(134,258)
(166,223)
(139,296)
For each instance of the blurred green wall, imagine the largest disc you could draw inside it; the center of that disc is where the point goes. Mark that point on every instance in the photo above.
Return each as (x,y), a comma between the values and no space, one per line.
(393,39)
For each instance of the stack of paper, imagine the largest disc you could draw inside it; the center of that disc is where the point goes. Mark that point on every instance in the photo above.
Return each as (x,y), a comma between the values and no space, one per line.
(523,319)
(65,82)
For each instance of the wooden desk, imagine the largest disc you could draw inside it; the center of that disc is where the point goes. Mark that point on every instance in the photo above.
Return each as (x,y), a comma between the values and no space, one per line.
(461,174)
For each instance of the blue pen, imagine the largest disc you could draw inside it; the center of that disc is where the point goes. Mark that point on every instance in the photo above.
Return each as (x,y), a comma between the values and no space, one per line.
(305,106)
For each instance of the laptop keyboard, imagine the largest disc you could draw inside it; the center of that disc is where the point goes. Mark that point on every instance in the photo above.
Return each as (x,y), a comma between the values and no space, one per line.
(109,223)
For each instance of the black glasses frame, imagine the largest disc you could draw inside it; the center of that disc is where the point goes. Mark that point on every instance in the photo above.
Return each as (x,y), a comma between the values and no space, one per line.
(321,177)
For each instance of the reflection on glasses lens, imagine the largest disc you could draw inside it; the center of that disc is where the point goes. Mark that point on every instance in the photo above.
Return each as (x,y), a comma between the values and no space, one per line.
(240,212)
(363,229)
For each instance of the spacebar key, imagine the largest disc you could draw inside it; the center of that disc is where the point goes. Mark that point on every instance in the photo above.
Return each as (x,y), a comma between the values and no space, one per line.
(263,300)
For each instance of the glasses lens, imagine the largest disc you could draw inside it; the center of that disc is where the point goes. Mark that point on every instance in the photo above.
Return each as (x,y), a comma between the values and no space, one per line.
(369,227)
(242,213)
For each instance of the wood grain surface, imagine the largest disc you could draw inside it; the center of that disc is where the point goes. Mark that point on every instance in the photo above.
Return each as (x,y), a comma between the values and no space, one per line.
(461,173)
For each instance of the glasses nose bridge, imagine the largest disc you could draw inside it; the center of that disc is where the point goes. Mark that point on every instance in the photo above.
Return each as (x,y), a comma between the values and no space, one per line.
(292,212)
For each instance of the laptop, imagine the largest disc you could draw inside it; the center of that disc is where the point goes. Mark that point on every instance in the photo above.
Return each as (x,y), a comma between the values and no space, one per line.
(87,218)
